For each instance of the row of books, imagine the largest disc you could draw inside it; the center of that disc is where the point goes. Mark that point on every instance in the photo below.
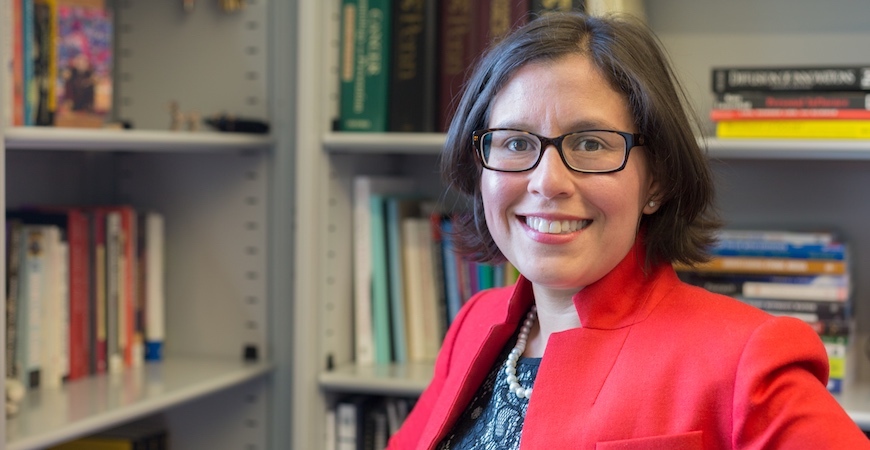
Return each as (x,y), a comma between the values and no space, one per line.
(403,64)
(149,433)
(792,102)
(85,292)
(408,282)
(60,67)
(361,422)
(805,275)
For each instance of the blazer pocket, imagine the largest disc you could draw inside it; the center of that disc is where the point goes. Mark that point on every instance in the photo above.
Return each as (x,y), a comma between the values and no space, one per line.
(683,441)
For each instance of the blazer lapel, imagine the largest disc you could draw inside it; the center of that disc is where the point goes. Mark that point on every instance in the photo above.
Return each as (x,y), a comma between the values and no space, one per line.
(477,355)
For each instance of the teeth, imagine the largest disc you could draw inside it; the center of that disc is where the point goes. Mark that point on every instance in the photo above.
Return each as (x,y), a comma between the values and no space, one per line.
(555,227)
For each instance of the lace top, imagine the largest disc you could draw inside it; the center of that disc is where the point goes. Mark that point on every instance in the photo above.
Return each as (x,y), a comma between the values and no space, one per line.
(494,417)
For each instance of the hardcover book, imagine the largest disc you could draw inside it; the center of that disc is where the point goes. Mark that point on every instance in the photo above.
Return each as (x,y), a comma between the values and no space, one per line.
(541,7)
(412,104)
(456,54)
(794,129)
(363,69)
(843,78)
(745,100)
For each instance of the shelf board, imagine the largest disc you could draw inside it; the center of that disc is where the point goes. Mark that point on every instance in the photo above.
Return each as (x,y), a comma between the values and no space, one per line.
(786,149)
(792,149)
(382,143)
(380,379)
(50,138)
(50,416)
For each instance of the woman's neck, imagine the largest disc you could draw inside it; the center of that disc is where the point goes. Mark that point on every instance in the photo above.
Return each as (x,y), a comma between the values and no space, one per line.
(556,312)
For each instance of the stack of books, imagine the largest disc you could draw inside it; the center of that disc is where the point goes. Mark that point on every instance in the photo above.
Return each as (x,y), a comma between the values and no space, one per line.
(805,275)
(792,102)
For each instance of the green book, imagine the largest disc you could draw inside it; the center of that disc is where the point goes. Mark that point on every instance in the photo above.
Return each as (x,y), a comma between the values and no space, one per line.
(363,68)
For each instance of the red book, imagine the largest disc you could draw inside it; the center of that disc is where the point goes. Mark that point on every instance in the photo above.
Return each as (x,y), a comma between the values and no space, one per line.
(788,113)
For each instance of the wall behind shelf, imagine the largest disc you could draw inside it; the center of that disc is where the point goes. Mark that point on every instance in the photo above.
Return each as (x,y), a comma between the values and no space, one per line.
(208,61)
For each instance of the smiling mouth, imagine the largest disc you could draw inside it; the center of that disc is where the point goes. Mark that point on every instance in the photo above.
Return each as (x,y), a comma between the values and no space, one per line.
(555,226)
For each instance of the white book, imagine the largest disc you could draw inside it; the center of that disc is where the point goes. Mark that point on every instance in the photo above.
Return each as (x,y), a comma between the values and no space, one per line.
(432,323)
(155,288)
(52,307)
(114,278)
(414,298)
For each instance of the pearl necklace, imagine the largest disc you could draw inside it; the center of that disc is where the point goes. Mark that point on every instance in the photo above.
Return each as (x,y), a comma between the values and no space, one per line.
(514,356)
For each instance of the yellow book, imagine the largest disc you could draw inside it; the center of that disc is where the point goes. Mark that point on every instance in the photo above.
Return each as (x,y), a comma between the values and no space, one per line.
(773,266)
(794,129)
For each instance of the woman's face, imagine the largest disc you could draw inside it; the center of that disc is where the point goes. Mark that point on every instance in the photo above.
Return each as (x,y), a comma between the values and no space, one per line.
(603,210)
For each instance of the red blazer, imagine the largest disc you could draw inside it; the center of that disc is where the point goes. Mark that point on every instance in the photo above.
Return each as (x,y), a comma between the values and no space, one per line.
(658,364)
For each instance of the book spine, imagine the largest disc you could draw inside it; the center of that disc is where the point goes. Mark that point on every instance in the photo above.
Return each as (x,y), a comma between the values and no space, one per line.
(788,114)
(31,302)
(790,237)
(541,7)
(127,311)
(846,78)
(364,74)
(100,297)
(114,252)
(451,282)
(832,288)
(44,66)
(13,264)
(78,237)
(794,129)
(819,309)
(792,100)
(363,333)
(155,294)
(455,55)
(412,99)
(380,282)
(397,282)
(778,249)
(432,323)
(30,92)
(761,265)
(414,295)
(17,63)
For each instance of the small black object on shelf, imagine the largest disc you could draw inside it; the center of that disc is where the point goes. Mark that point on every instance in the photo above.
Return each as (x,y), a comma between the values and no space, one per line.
(225,122)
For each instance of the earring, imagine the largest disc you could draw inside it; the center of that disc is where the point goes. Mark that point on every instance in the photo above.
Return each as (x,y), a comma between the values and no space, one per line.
(652,203)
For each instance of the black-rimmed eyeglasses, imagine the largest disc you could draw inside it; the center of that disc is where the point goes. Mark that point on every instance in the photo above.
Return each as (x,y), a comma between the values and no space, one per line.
(587,151)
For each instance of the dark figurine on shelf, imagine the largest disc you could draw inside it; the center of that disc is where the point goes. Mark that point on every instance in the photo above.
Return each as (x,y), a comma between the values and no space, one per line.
(225,122)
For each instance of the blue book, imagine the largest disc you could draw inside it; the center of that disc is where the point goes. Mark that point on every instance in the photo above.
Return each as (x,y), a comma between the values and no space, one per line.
(779,249)
(451,284)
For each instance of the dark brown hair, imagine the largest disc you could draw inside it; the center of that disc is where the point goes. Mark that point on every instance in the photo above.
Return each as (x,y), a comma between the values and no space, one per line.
(631,58)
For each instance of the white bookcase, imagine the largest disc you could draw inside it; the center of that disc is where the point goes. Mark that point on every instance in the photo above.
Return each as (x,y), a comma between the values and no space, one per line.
(227,199)
(761,183)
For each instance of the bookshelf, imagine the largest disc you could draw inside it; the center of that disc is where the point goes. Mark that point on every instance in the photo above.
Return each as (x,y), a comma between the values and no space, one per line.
(227,199)
(761,183)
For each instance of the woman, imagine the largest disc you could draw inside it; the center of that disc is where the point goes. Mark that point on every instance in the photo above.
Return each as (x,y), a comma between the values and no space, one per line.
(580,161)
